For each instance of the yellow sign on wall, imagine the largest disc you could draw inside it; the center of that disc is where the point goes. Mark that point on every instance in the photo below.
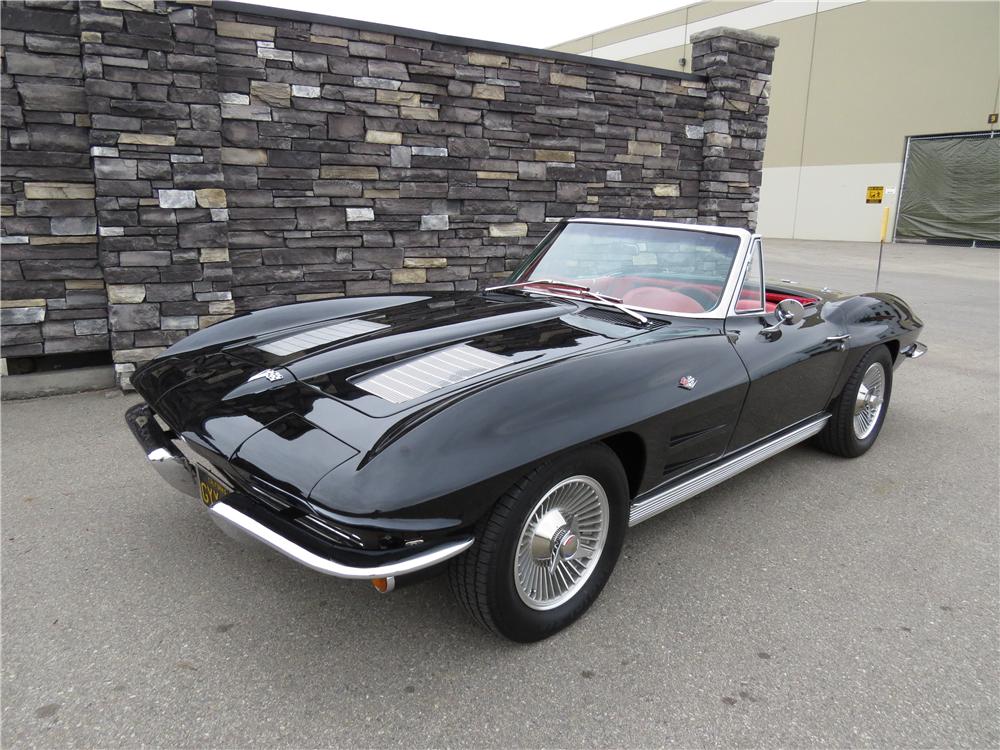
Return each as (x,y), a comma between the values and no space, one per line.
(874,194)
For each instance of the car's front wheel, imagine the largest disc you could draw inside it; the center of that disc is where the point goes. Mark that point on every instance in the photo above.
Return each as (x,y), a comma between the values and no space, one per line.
(548,547)
(860,409)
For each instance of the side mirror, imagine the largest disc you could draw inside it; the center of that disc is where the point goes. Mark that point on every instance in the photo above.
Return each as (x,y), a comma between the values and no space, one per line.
(788,312)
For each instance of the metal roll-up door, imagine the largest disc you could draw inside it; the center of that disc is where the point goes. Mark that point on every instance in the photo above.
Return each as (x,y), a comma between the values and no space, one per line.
(951,188)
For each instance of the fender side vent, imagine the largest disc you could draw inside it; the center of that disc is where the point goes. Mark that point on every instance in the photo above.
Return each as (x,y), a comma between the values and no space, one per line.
(320,337)
(431,372)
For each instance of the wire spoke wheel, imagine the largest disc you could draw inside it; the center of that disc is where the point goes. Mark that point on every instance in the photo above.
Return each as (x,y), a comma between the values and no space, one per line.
(869,400)
(561,542)
(548,547)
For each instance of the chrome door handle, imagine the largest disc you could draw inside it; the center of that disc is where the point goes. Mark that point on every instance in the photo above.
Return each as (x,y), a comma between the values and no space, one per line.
(840,341)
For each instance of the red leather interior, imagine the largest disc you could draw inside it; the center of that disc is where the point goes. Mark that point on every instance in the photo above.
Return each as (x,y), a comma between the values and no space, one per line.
(661,294)
(658,298)
(748,301)
(619,286)
(776,297)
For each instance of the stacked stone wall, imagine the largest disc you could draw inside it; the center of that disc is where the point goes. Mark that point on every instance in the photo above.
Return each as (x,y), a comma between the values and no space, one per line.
(166,164)
(54,299)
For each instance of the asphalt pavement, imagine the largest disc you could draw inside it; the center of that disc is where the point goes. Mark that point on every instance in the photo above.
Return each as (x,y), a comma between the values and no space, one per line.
(811,602)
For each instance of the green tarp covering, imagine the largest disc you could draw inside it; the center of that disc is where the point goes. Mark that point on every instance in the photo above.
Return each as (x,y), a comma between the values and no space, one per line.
(951,189)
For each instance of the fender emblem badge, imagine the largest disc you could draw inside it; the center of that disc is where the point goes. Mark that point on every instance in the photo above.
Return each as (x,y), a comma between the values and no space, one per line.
(688,382)
(271,375)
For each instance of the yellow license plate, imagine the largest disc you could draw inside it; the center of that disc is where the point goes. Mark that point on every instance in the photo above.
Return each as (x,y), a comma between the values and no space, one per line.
(210,488)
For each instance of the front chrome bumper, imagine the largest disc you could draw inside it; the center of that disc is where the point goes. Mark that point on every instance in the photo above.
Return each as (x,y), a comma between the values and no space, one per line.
(242,523)
(232,519)
(160,451)
(913,351)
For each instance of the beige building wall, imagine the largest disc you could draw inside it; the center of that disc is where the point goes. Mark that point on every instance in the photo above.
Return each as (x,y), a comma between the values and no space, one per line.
(851,82)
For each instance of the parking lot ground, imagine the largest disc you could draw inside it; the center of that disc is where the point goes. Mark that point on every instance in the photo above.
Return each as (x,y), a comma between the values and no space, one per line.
(812,601)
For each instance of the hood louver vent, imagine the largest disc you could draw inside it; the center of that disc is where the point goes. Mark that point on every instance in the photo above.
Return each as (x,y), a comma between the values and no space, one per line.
(610,316)
(429,373)
(320,337)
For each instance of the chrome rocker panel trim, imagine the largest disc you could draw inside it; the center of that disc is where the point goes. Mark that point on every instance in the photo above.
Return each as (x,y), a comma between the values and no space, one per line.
(232,519)
(915,351)
(657,501)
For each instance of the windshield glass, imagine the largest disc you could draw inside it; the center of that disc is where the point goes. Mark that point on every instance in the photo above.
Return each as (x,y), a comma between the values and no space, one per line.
(650,268)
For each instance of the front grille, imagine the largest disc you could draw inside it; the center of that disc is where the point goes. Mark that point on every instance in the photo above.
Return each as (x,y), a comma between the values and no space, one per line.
(296,510)
(268,497)
(299,512)
(337,535)
(288,506)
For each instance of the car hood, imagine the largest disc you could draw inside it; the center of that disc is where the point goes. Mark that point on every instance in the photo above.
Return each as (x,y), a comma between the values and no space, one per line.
(219,395)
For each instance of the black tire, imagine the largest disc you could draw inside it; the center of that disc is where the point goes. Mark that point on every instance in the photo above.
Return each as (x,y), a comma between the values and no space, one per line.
(483,578)
(839,436)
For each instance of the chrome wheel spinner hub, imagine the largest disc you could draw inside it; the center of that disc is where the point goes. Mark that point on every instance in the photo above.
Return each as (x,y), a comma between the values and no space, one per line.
(553,540)
(567,545)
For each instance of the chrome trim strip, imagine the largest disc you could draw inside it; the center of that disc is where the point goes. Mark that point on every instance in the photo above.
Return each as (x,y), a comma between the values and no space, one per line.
(755,245)
(743,234)
(550,282)
(914,351)
(235,520)
(656,502)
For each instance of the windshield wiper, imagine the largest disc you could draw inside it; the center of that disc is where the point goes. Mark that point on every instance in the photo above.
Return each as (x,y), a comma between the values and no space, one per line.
(617,304)
(550,282)
(595,297)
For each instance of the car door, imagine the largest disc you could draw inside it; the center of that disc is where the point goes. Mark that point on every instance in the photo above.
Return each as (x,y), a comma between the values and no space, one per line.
(793,370)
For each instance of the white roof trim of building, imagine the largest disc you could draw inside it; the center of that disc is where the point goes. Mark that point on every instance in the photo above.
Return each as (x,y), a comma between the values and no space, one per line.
(753,17)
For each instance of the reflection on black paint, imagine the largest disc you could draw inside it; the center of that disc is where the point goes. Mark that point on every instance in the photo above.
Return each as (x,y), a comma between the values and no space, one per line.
(292,454)
(629,384)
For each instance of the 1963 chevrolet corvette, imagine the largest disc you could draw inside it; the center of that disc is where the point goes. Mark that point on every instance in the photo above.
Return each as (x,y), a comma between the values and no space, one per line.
(513,435)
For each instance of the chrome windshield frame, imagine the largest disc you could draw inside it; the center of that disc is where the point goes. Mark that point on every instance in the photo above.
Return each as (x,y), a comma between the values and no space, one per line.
(726,298)
(741,278)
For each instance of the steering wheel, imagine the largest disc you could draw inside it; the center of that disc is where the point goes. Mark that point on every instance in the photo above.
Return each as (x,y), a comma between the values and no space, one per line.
(699,295)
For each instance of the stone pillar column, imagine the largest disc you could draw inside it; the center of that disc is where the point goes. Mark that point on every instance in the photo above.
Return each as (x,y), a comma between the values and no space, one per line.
(150,76)
(738,65)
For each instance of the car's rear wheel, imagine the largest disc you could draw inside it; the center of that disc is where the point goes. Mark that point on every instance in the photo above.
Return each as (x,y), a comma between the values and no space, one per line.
(548,547)
(860,409)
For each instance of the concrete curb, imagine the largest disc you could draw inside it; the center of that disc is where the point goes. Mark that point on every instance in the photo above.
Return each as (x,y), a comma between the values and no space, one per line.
(58,382)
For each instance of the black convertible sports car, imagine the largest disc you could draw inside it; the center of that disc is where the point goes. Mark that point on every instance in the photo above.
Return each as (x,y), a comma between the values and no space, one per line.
(514,434)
